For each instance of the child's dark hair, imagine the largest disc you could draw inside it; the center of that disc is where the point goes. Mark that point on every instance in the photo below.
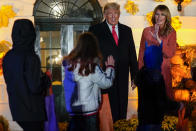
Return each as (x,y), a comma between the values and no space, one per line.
(85,53)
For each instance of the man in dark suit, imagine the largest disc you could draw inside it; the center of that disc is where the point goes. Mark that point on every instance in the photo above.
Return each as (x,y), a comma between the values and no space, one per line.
(21,70)
(116,39)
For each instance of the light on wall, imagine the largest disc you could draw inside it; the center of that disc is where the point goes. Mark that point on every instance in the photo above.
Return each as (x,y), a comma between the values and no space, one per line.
(179,2)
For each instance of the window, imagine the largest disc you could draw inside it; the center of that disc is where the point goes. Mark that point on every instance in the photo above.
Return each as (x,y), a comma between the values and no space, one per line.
(59,22)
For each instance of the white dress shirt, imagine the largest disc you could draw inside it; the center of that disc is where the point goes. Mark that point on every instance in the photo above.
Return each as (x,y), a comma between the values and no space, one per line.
(110,27)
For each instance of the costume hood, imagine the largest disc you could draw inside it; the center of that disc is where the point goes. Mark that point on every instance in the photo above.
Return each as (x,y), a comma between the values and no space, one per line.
(23,35)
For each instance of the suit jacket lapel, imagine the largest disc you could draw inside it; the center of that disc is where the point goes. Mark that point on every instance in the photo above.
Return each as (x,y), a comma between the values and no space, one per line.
(108,33)
(120,32)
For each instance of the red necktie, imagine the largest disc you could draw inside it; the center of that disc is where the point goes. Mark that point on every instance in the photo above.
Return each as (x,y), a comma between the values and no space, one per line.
(114,35)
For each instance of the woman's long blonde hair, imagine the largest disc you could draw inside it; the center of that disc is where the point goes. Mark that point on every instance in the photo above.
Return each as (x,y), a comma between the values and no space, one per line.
(167,27)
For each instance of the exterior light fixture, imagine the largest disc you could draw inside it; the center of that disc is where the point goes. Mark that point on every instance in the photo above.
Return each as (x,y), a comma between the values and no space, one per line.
(179,2)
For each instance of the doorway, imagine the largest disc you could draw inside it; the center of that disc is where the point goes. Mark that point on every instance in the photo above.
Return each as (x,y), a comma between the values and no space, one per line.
(58,25)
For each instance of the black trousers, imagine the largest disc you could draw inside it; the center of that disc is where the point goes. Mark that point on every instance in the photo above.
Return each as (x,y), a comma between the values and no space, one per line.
(31,126)
(118,96)
(83,123)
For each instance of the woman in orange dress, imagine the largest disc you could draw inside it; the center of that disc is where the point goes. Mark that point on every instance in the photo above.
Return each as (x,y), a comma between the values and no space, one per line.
(157,47)
(161,31)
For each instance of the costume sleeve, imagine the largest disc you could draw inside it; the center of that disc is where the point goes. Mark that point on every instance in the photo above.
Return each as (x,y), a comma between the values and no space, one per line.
(32,73)
(103,79)
(141,51)
(169,47)
(133,58)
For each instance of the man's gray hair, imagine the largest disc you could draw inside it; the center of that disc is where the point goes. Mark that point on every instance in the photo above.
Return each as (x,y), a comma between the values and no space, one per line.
(111,5)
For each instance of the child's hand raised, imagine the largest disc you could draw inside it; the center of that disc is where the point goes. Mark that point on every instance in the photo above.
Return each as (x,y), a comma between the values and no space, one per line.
(110,61)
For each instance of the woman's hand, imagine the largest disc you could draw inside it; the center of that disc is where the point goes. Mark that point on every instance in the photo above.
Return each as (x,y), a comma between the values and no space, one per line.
(110,61)
(156,33)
